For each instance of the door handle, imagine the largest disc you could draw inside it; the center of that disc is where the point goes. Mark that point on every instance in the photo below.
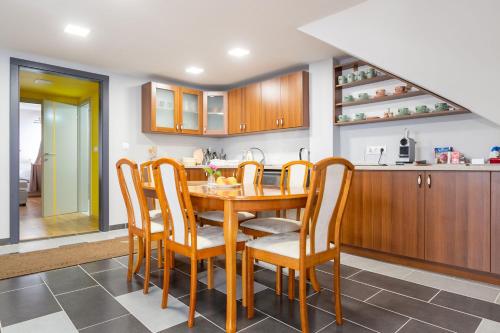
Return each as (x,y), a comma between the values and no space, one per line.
(419,181)
(49,154)
(429,180)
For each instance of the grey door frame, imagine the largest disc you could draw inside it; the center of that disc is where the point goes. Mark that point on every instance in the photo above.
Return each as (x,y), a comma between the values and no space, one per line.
(103,80)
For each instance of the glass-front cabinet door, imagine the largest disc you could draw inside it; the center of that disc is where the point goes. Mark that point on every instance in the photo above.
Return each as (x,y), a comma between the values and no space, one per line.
(191,111)
(214,113)
(159,107)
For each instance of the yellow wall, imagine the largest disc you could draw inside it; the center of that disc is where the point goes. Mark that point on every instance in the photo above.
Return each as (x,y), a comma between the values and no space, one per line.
(69,91)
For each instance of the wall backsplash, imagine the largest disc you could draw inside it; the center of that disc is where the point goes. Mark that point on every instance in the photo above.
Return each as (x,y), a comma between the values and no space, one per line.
(469,134)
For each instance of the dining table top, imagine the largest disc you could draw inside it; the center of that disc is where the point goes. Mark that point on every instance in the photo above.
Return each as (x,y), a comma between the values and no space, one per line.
(241,192)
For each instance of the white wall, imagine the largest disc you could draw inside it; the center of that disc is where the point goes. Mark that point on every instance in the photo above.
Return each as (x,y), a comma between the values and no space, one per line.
(450,47)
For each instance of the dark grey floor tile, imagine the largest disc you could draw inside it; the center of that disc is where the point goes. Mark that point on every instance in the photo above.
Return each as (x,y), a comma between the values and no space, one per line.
(115,281)
(270,325)
(179,283)
(201,326)
(415,326)
(281,308)
(183,264)
(67,279)
(127,323)
(399,286)
(101,265)
(359,312)
(20,282)
(220,261)
(154,263)
(268,278)
(345,271)
(346,327)
(90,306)
(467,304)
(348,287)
(427,312)
(212,305)
(25,304)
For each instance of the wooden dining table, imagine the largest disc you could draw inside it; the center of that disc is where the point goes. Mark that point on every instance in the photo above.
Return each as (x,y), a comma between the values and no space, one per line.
(251,198)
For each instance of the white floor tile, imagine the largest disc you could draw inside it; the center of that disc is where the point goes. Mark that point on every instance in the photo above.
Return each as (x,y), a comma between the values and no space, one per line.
(45,244)
(52,323)
(6,249)
(147,309)
(220,282)
(396,271)
(488,326)
(454,285)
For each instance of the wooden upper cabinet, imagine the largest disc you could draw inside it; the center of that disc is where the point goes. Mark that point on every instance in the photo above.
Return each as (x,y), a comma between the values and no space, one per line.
(294,103)
(457,218)
(271,108)
(190,111)
(215,117)
(495,222)
(160,105)
(235,111)
(252,108)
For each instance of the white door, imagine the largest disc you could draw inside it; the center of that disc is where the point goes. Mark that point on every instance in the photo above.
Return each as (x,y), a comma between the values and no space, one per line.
(60,158)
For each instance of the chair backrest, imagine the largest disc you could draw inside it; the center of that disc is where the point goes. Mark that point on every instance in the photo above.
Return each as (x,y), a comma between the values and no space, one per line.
(133,195)
(295,174)
(328,191)
(250,172)
(175,202)
(146,172)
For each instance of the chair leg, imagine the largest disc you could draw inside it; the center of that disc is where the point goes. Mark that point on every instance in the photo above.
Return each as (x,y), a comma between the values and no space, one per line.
(336,288)
(304,322)
(314,280)
(244,277)
(297,216)
(130,256)
(250,286)
(192,291)
(279,279)
(147,271)
(140,255)
(210,273)
(291,284)
(159,252)
(166,279)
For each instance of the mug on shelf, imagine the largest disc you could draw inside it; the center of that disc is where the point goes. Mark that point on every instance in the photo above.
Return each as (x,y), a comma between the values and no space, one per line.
(370,72)
(404,111)
(421,109)
(442,106)
(363,96)
(360,75)
(400,90)
(343,118)
(380,93)
(349,98)
(342,79)
(359,116)
(351,77)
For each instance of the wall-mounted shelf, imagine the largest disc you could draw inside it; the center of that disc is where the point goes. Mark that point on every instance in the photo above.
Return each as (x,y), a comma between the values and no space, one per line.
(384,76)
(383,99)
(411,116)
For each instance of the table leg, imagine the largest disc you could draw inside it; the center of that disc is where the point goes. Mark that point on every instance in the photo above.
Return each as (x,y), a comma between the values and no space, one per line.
(230,234)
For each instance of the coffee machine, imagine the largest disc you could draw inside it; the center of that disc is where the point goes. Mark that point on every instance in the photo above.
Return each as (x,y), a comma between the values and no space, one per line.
(406,149)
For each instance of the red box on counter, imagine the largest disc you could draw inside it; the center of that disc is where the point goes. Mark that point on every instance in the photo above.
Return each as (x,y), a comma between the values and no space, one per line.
(495,160)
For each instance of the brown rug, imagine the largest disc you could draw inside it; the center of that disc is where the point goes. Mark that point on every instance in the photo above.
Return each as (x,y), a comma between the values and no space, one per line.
(17,264)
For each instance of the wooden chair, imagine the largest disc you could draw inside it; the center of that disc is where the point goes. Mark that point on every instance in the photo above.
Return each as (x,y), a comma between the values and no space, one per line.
(249,172)
(141,223)
(185,238)
(293,174)
(328,191)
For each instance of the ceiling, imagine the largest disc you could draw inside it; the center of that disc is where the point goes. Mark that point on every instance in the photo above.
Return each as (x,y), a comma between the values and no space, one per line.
(163,37)
(60,85)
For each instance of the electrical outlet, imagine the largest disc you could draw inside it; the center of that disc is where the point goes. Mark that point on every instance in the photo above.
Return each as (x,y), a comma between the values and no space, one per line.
(375,150)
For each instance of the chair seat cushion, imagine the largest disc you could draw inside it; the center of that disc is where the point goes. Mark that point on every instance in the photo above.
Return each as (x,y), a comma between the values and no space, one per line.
(286,244)
(272,225)
(155,215)
(210,236)
(156,227)
(218,216)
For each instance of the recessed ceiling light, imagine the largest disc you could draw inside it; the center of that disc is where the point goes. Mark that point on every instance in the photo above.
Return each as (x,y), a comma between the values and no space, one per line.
(42,82)
(194,70)
(76,30)
(238,52)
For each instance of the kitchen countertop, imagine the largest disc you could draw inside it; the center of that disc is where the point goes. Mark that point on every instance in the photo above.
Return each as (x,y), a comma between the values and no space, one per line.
(432,167)
(266,167)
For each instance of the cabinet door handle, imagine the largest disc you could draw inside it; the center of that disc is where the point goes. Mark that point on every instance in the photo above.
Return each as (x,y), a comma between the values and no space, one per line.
(419,181)
(204,130)
(277,122)
(244,127)
(281,122)
(429,180)
(180,127)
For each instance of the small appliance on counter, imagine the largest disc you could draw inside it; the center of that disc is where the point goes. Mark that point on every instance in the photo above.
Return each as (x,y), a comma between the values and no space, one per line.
(495,155)
(406,149)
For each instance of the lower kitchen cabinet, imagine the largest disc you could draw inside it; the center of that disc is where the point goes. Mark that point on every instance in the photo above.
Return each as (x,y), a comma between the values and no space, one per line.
(457,218)
(495,222)
(438,216)
(384,213)
(198,174)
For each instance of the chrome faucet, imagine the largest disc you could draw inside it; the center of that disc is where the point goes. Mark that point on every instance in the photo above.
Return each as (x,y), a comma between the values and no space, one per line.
(263,159)
(308,153)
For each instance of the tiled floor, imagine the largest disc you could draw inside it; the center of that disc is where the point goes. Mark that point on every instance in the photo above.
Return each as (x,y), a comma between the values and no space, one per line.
(377,296)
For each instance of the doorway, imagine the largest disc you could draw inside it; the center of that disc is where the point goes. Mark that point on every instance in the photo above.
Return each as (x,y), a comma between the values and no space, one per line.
(62,130)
